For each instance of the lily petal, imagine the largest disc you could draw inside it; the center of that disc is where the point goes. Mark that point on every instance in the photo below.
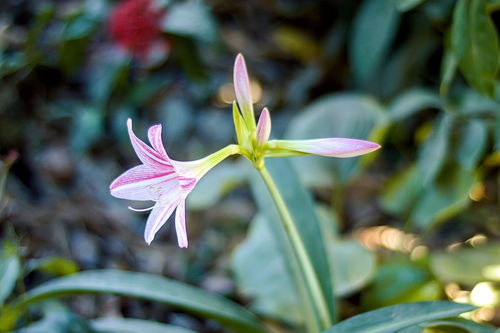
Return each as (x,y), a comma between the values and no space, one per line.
(154,134)
(142,183)
(241,82)
(180,224)
(146,154)
(158,217)
(333,147)
(263,127)
(242,90)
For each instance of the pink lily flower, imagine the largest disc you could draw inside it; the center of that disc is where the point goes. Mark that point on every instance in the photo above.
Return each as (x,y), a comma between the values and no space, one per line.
(163,180)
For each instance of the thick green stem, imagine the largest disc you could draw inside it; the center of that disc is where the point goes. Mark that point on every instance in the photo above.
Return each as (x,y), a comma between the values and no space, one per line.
(309,275)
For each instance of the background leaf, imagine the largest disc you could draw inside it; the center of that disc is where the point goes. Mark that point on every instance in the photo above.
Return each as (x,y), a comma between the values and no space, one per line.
(479,261)
(475,44)
(10,268)
(405,5)
(140,285)
(373,31)
(411,102)
(192,19)
(261,274)
(124,325)
(393,318)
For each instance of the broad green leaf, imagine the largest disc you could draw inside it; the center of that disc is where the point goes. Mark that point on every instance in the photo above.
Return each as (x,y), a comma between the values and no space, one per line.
(475,45)
(140,285)
(374,28)
(126,325)
(406,279)
(261,274)
(191,18)
(10,268)
(447,196)
(467,266)
(458,325)
(301,208)
(406,5)
(353,266)
(413,101)
(337,115)
(433,152)
(393,318)
(406,196)
(471,143)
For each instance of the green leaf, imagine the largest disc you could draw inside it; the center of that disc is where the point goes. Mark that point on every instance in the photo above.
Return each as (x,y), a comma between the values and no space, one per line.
(10,268)
(455,325)
(260,271)
(471,143)
(406,5)
(306,222)
(460,323)
(393,318)
(433,152)
(126,325)
(399,282)
(353,266)
(475,45)
(480,262)
(447,196)
(413,101)
(139,285)
(193,19)
(336,115)
(261,274)
(373,31)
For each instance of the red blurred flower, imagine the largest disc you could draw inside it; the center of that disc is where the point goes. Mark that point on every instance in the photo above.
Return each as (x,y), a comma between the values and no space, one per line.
(135,25)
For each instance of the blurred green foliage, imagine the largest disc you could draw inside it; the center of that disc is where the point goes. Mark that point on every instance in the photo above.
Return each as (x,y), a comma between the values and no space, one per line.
(420,77)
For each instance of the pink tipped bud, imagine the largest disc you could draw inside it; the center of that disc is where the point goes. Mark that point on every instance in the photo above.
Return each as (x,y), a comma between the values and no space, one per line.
(263,127)
(242,85)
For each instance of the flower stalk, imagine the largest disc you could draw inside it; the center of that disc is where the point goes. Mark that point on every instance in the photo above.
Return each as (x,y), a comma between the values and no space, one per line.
(309,276)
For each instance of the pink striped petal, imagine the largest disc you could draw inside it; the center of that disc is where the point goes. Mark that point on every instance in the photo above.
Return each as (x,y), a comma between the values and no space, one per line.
(180,225)
(242,84)
(154,134)
(145,153)
(143,183)
(158,217)
(333,147)
(263,127)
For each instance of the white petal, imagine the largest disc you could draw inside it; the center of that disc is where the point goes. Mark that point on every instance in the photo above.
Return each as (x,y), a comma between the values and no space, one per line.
(143,183)
(180,224)
(158,217)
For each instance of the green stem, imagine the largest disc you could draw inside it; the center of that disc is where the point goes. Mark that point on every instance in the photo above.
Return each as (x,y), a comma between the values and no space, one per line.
(309,275)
